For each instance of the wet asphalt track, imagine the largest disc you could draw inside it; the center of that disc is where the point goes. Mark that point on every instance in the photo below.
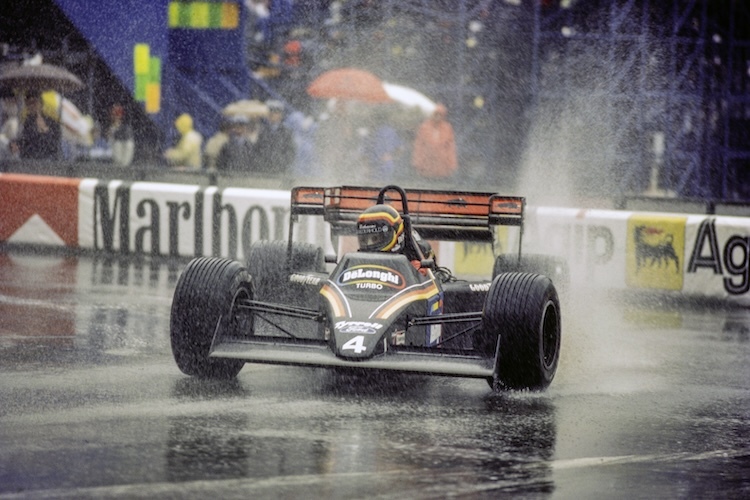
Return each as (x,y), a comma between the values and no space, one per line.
(651,400)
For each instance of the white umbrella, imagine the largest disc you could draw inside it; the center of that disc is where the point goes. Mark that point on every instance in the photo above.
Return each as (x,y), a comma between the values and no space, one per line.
(409,97)
(247,108)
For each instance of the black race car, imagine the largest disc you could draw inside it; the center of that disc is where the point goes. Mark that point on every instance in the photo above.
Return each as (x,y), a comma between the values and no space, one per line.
(373,310)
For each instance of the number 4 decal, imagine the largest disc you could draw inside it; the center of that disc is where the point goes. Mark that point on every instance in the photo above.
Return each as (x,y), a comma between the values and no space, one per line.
(357,344)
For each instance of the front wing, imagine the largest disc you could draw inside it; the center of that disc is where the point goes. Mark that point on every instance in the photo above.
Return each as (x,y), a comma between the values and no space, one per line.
(315,353)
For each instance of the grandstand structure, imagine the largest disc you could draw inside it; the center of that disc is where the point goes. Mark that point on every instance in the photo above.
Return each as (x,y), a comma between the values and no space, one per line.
(676,94)
(634,96)
(630,97)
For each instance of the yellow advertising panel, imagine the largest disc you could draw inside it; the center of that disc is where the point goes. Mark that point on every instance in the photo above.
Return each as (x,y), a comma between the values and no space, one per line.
(203,15)
(141,59)
(476,259)
(230,15)
(654,252)
(200,15)
(473,259)
(153,98)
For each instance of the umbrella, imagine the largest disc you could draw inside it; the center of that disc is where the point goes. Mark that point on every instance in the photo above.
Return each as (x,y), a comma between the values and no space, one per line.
(348,84)
(40,77)
(246,108)
(410,97)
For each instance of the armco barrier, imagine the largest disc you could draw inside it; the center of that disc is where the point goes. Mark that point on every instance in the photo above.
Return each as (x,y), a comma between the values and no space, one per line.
(697,255)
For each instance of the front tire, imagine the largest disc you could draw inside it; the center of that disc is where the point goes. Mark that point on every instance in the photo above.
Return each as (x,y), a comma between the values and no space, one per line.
(521,328)
(204,293)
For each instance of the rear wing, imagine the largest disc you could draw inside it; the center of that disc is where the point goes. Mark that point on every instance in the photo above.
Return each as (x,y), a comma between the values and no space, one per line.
(435,214)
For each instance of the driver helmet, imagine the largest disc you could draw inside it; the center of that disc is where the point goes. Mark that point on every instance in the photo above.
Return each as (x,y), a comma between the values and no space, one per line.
(380,228)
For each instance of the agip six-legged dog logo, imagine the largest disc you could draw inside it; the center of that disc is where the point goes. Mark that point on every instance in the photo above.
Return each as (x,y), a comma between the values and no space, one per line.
(655,247)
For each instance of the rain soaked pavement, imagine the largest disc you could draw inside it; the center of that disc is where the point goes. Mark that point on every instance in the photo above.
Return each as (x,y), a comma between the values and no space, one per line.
(649,401)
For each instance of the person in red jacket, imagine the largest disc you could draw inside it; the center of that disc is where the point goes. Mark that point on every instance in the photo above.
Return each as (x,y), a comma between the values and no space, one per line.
(434,153)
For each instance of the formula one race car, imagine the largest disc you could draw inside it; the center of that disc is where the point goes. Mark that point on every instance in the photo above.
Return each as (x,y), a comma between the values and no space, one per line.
(375,310)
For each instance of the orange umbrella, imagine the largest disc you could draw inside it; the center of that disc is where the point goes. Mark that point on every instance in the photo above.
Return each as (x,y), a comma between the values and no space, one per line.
(348,84)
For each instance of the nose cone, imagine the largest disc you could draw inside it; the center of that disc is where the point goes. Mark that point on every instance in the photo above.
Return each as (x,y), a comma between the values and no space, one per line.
(358,339)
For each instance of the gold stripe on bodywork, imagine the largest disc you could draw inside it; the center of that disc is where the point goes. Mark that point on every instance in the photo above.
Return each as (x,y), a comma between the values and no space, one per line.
(339,305)
(405,297)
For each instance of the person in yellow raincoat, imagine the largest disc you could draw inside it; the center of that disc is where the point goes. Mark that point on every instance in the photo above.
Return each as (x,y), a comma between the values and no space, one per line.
(187,152)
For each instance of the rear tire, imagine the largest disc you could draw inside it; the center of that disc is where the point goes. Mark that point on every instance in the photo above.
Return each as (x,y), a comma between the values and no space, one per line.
(204,293)
(521,323)
(555,268)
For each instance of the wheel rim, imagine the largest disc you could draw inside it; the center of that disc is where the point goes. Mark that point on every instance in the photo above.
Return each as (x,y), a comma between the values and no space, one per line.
(239,321)
(550,334)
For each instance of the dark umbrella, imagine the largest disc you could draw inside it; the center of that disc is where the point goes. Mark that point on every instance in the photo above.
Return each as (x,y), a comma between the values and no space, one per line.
(40,77)
(37,78)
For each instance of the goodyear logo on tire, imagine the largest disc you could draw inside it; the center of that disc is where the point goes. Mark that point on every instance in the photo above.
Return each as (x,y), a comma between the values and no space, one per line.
(655,249)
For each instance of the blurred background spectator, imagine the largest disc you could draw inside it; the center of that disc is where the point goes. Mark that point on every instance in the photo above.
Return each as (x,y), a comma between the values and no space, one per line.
(276,142)
(338,143)
(9,128)
(101,148)
(120,136)
(434,154)
(240,153)
(187,153)
(215,143)
(384,149)
(40,136)
(304,128)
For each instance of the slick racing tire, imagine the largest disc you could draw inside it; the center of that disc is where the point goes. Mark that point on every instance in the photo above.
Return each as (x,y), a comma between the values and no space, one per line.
(521,330)
(267,264)
(555,268)
(205,293)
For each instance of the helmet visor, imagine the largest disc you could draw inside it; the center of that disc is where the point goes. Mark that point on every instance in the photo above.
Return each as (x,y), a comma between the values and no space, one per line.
(373,236)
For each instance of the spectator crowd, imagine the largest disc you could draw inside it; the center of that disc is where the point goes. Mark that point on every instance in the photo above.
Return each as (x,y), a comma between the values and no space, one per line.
(290,135)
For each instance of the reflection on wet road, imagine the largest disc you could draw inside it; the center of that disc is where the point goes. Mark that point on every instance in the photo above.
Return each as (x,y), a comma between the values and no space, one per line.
(651,400)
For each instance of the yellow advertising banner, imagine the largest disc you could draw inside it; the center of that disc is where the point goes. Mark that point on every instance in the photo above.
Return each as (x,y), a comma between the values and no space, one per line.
(654,251)
(476,259)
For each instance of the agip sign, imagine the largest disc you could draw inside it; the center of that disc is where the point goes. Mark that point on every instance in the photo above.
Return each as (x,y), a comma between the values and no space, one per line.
(696,255)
